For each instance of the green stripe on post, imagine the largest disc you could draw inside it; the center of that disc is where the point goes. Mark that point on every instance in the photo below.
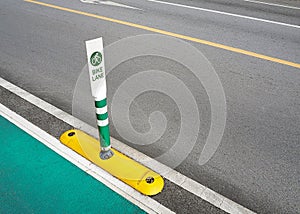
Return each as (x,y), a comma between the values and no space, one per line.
(102,116)
(101,103)
(104,136)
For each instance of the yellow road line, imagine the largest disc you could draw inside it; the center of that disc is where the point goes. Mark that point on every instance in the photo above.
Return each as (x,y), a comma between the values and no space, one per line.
(155,30)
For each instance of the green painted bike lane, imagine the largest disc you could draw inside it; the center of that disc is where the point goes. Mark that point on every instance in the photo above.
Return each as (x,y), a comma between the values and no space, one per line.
(34,179)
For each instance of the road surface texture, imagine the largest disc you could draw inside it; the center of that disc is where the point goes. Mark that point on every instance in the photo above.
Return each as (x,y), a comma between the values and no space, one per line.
(257,162)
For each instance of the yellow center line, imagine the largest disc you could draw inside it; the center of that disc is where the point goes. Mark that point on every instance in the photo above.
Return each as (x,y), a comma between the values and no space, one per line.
(155,30)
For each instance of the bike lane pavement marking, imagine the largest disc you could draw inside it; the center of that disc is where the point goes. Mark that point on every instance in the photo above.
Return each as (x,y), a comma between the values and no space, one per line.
(36,179)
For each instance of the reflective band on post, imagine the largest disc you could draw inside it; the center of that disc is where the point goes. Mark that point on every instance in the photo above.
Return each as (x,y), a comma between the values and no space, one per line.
(106,148)
(102,110)
(102,123)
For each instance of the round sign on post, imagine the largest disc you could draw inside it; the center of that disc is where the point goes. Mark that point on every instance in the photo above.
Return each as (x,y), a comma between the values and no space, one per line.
(96,58)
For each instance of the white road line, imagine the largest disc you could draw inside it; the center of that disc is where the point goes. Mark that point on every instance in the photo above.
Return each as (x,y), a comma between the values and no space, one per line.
(272,4)
(146,203)
(225,13)
(181,180)
(110,3)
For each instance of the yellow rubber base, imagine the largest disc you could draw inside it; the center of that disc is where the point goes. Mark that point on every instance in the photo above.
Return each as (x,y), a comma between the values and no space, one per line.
(129,171)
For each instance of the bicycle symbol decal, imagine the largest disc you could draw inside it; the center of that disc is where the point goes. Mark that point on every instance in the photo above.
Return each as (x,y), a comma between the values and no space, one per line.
(96,58)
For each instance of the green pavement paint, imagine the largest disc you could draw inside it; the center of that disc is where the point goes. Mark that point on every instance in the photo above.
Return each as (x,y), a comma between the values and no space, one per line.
(34,179)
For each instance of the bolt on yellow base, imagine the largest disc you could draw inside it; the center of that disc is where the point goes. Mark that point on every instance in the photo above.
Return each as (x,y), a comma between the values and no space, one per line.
(129,171)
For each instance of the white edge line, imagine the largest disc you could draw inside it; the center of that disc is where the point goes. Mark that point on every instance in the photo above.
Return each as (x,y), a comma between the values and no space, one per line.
(181,180)
(146,203)
(225,13)
(272,4)
(109,3)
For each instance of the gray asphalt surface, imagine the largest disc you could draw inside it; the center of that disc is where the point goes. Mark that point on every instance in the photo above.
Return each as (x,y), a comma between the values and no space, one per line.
(173,196)
(257,162)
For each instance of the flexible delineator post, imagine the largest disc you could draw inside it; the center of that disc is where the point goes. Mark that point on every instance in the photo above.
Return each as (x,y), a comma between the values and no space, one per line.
(98,87)
(103,128)
(103,124)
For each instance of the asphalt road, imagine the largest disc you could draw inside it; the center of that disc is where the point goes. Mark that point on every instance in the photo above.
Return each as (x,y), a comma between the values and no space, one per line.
(257,162)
